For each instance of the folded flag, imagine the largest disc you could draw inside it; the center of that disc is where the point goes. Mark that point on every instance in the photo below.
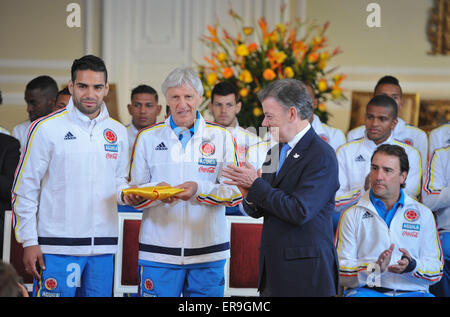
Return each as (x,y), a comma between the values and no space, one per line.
(154,192)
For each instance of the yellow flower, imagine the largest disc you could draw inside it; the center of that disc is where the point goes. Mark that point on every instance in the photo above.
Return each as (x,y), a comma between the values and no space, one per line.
(257,112)
(280,57)
(221,57)
(208,94)
(242,50)
(281,28)
(322,64)
(322,85)
(273,37)
(248,30)
(288,72)
(244,92)
(212,78)
(318,40)
(322,107)
(336,93)
(246,77)
(324,56)
(269,74)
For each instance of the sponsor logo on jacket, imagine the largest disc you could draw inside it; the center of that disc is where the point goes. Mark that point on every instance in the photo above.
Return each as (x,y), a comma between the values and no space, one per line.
(209,170)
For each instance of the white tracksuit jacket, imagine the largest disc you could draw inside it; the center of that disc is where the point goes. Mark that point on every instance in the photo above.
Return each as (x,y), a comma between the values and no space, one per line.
(244,140)
(193,231)
(363,235)
(66,185)
(436,187)
(333,136)
(354,165)
(404,133)
(439,137)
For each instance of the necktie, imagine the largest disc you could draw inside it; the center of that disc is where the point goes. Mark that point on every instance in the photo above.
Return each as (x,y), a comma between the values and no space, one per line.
(283,152)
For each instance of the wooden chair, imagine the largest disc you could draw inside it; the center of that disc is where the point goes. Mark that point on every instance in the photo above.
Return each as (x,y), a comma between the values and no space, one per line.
(13,251)
(126,276)
(241,269)
(360,99)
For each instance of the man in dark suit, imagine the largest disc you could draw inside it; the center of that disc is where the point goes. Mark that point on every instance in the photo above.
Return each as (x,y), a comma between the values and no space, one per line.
(296,198)
(9,158)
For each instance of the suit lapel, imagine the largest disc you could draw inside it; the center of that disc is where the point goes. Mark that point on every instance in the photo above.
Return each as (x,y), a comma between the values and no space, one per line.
(295,156)
(270,165)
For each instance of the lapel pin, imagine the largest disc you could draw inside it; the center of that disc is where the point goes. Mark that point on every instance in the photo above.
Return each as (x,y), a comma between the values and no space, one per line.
(296,155)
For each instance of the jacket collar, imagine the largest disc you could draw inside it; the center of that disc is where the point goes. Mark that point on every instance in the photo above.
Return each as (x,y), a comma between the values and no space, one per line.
(83,119)
(365,202)
(296,154)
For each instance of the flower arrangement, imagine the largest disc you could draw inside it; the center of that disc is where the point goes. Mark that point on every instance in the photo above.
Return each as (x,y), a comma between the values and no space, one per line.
(259,55)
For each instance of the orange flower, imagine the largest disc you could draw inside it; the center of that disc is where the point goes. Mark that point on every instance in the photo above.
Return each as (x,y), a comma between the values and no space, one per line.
(228,73)
(322,107)
(269,74)
(313,57)
(318,40)
(211,62)
(252,47)
(263,25)
(338,79)
(213,31)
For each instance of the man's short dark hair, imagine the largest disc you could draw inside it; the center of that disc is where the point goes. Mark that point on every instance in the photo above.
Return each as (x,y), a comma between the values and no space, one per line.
(394,150)
(89,62)
(384,101)
(388,80)
(64,91)
(224,89)
(44,83)
(144,89)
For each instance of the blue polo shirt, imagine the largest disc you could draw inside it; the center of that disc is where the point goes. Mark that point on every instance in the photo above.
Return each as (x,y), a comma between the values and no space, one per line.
(185,135)
(380,207)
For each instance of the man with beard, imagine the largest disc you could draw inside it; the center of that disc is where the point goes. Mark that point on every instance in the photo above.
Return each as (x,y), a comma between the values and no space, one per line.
(65,190)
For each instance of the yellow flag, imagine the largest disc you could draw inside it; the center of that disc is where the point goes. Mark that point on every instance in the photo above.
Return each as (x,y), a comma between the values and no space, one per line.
(154,192)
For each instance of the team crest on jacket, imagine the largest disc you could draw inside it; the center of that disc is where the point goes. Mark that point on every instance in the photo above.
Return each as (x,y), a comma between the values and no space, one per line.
(411,215)
(207,148)
(148,284)
(50,283)
(409,142)
(110,136)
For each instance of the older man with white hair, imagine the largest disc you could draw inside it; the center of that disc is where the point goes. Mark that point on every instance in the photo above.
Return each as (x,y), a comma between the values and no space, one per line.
(183,243)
